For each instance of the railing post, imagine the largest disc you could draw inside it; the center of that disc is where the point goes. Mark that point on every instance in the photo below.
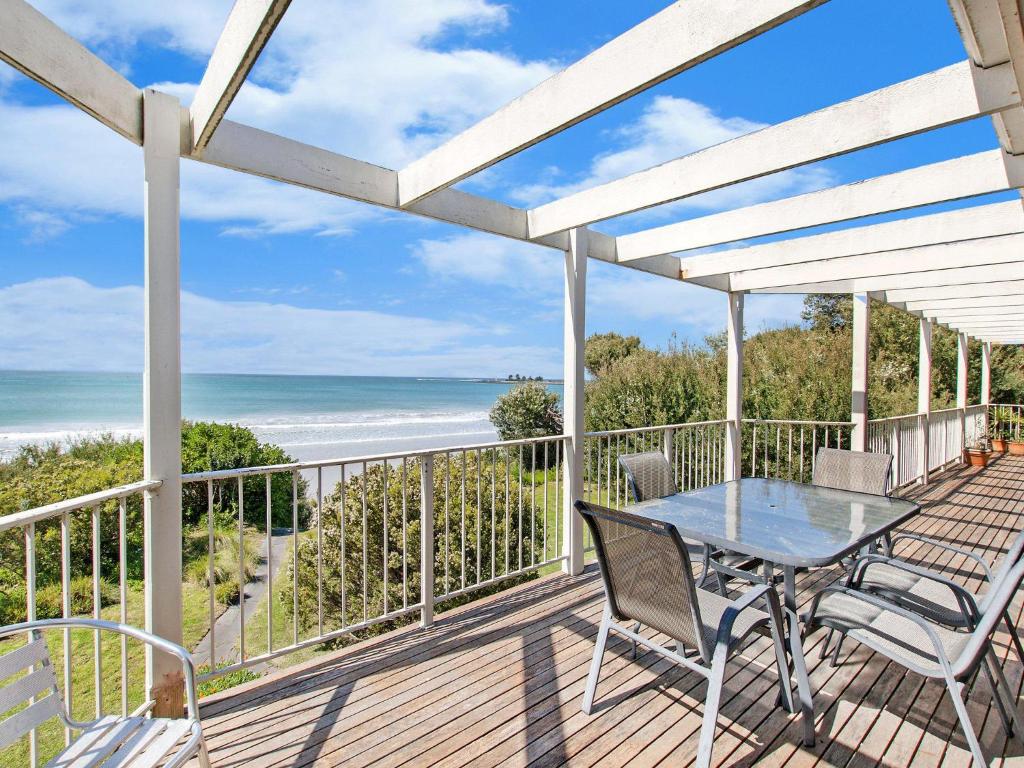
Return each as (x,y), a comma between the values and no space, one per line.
(575,312)
(427,539)
(162,398)
(986,383)
(924,394)
(859,388)
(668,436)
(961,387)
(734,387)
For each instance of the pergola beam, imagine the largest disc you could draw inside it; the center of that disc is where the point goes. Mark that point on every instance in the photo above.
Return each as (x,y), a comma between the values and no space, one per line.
(970,292)
(947,96)
(249,26)
(250,150)
(987,274)
(979,174)
(38,48)
(905,262)
(939,228)
(965,304)
(675,39)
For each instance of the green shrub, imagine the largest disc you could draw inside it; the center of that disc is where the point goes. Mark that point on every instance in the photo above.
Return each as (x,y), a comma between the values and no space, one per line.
(50,600)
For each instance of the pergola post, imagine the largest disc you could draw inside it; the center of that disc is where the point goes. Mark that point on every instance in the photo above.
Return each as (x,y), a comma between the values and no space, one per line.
(161,397)
(734,386)
(575,324)
(859,388)
(961,385)
(924,392)
(986,376)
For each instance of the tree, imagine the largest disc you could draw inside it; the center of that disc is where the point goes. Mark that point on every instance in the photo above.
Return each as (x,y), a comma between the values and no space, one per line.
(604,349)
(527,410)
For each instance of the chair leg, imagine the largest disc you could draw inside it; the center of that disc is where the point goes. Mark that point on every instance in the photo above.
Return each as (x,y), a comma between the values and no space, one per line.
(1014,637)
(595,665)
(1013,727)
(955,690)
(723,590)
(636,629)
(997,696)
(824,646)
(835,653)
(785,682)
(705,565)
(711,702)
(204,756)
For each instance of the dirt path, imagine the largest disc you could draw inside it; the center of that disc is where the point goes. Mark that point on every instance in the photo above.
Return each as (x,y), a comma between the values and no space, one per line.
(226,628)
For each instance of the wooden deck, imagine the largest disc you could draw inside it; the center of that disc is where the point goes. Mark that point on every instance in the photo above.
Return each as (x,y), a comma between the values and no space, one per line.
(500,683)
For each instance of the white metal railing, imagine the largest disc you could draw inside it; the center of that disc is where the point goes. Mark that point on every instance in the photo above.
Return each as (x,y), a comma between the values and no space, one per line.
(391,535)
(46,534)
(901,436)
(1007,419)
(787,448)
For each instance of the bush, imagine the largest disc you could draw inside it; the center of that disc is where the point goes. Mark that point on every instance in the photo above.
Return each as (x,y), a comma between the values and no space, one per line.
(528,410)
(225,560)
(338,612)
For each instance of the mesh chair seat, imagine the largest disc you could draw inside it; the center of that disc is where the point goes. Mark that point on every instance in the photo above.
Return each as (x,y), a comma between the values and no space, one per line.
(888,631)
(918,593)
(852,471)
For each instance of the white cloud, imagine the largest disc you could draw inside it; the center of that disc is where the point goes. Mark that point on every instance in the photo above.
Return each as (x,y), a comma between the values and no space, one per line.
(66,323)
(615,295)
(669,128)
(61,164)
(365,78)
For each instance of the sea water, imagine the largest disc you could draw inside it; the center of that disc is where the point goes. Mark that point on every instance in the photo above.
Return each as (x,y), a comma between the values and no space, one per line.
(310,417)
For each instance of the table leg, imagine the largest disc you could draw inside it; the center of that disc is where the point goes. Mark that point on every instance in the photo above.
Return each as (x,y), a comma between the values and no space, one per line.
(796,650)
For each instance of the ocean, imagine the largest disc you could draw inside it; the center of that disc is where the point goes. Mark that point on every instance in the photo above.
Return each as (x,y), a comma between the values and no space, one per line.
(311,417)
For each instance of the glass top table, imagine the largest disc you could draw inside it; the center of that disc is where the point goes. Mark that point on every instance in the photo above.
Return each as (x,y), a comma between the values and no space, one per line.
(784,524)
(778,521)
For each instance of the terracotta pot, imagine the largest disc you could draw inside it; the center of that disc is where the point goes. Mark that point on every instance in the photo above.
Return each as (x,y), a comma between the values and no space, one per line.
(1016,448)
(974,457)
(999,445)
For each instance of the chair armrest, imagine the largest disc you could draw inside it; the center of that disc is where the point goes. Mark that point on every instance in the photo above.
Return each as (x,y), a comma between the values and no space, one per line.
(188,667)
(877,602)
(949,548)
(968,605)
(724,635)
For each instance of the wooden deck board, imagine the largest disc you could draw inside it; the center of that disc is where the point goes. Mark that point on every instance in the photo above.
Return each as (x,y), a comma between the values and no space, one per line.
(499,682)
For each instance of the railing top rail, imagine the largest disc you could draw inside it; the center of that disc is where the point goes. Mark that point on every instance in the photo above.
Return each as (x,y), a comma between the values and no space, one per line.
(658,428)
(905,416)
(296,466)
(800,422)
(29,516)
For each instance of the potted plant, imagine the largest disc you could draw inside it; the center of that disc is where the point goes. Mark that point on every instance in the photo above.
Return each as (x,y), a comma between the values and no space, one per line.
(976,455)
(999,428)
(1016,439)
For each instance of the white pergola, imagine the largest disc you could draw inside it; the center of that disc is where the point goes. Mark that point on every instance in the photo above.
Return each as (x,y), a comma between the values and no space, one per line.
(963,269)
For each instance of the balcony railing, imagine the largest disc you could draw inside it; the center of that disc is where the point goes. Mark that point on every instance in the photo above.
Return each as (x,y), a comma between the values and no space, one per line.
(357,542)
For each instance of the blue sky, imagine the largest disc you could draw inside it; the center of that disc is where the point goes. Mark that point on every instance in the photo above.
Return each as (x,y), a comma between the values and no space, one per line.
(282,280)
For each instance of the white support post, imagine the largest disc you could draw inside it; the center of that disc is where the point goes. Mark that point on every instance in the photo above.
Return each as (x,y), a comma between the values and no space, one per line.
(734,386)
(924,393)
(961,385)
(162,397)
(427,540)
(859,388)
(986,381)
(575,324)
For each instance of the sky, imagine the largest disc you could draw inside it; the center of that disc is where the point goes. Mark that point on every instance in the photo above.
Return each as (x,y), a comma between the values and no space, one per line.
(278,279)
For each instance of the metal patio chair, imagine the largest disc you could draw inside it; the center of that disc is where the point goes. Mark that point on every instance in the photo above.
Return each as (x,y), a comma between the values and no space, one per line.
(932,594)
(127,742)
(648,579)
(854,471)
(649,476)
(926,647)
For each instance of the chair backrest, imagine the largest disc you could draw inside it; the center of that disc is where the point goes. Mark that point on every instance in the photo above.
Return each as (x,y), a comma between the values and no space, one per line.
(20,689)
(647,574)
(852,471)
(649,475)
(1002,567)
(1002,591)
